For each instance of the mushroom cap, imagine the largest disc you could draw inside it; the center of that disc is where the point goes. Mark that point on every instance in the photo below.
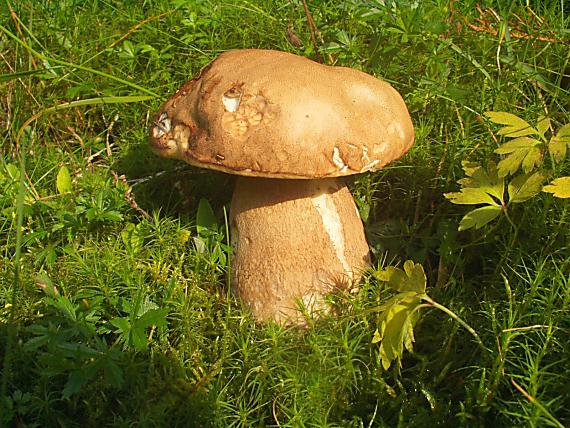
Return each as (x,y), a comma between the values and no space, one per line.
(273,114)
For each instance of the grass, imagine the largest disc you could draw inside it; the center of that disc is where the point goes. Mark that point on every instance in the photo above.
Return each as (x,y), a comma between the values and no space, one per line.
(114,308)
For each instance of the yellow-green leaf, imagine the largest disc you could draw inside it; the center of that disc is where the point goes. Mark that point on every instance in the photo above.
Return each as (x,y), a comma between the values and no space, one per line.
(395,325)
(532,159)
(557,148)
(523,151)
(542,125)
(484,179)
(470,196)
(132,237)
(515,126)
(559,143)
(479,217)
(521,143)
(524,187)
(560,187)
(564,131)
(511,163)
(416,277)
(411,279)
(63,180)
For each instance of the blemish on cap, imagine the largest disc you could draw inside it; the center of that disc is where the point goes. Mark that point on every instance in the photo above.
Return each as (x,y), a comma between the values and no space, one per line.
(337,160)
(370,166)
(162,126)
(232,99)
(395,129)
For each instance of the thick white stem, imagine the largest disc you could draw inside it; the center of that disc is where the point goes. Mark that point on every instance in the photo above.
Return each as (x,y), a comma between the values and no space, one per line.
(294,241)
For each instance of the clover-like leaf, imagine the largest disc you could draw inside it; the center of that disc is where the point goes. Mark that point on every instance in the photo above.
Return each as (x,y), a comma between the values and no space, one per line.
(560,187)
(524,187)
(479,217)
(559,143)
(514,125)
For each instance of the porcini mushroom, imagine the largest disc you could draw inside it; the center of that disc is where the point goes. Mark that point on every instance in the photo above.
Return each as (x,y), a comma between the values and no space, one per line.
(291,126)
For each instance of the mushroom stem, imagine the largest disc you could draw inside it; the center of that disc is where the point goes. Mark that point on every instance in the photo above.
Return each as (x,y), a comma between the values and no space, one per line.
(294,242)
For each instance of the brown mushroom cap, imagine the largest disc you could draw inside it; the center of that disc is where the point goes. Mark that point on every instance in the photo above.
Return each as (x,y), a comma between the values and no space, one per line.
(274,114)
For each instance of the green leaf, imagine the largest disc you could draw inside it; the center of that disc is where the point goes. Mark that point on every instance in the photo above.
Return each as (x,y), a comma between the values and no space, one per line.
(67,308)
(63,181)
(524,187)
(138,339)
(122,324)
(559,143)
(77,379)
(479,217)
(156,317)
(560,188)
(205,218)
(487,180)
(113,373)
(511,163)
(13,171)
(132,237)
(532,159)
(543,125)
(515,126)
(470,196)
(521,143)
(523,151)
(396,328)
(411,279)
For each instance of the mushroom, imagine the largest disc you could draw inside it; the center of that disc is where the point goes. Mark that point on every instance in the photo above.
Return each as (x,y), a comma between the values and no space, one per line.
(290,127)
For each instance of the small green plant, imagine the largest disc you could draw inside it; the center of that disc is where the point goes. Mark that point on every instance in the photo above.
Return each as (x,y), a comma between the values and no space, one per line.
(399,314)
(67,341)
(526,150)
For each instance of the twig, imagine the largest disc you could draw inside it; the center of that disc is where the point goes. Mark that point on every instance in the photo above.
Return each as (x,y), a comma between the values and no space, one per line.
(273,409)
(18,22)
(530,327)
(534,401)
(485,27)
(76,135)
(109,130)
(313,29)
(136,27)
(516,34)
(129,196)
(97,154)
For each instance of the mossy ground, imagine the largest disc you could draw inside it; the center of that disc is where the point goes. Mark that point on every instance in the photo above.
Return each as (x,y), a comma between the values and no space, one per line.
(144,331)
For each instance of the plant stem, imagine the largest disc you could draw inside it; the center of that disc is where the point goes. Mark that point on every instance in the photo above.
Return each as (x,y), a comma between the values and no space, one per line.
(453,315)
(511,244)
(7,369)
(77,66)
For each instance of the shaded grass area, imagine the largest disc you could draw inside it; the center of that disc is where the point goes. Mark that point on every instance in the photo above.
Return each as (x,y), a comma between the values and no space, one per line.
(123,314)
